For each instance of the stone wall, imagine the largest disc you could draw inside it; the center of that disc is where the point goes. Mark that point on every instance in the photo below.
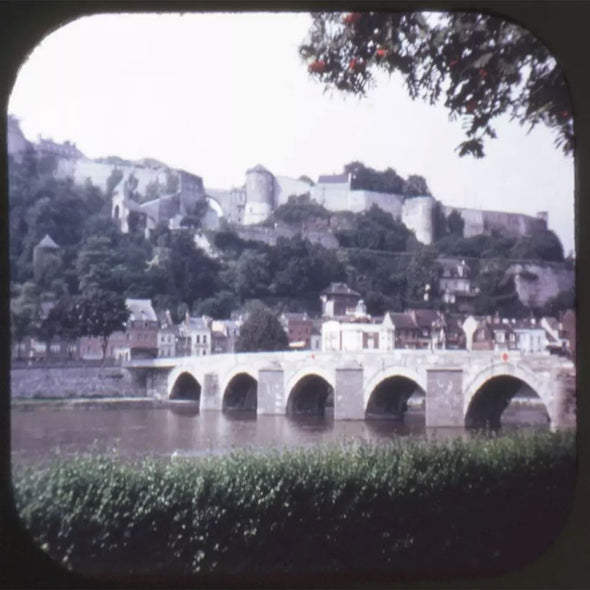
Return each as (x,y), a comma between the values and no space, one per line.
(56,382)
(271,235)
(479,222)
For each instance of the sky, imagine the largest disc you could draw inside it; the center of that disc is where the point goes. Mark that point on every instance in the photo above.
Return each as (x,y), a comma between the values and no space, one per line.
(216,94)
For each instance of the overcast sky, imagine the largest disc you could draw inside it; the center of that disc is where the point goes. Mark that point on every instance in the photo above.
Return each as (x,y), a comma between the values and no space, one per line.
(215,94)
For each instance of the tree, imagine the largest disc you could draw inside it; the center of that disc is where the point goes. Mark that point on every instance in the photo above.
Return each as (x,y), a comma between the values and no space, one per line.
(479,66)
(99,313)
(252,274)
(416,186)
(218,307)
(262,331)
(24,309)
(455,223)
(541,245)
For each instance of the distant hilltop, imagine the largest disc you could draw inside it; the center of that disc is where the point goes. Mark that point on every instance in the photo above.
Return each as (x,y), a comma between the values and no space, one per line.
(163,194)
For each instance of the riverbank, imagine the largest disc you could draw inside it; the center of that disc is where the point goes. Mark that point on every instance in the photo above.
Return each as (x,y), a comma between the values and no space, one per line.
(98,402)
(409,507)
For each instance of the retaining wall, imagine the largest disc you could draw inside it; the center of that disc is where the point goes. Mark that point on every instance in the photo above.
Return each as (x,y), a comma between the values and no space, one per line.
(57,382)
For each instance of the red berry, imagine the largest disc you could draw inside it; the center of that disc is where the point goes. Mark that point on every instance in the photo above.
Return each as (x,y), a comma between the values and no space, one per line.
(317,67)
(352,18)
(356,64)
(565,114)
(381,52)
(482,73)
(453,63)
(470,106)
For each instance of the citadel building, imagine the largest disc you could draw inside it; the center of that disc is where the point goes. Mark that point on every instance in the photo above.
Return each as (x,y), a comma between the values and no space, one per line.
(157,193)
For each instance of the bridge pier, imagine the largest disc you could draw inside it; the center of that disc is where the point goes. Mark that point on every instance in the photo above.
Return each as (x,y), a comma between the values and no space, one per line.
(210,396)
(564,400)
(271,391)
(348,394)
(444,397)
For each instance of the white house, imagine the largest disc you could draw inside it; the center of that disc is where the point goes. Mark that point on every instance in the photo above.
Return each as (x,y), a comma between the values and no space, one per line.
(194,337)
(354,335)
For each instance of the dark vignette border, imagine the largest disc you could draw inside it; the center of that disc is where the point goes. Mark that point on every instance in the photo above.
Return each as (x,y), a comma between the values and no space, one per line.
(562,25)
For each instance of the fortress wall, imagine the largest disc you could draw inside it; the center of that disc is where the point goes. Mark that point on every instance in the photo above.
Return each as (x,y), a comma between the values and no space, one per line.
(286,187)
(269,236)
(334,197)
(473,218)
(540,282)
(98,173)
(417,215)
(513,224)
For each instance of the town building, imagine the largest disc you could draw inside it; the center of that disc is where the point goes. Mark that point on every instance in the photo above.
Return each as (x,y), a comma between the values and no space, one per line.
(224,334)
(298,327)
(432,327)
(455,284)
(194,336)
(337,299)
(350,335)
(407,332)
(167,335)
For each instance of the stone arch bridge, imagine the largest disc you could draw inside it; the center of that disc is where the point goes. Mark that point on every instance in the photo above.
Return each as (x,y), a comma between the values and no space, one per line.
(460,387)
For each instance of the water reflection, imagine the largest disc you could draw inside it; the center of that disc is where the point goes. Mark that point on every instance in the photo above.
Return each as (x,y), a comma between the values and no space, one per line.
(183,430)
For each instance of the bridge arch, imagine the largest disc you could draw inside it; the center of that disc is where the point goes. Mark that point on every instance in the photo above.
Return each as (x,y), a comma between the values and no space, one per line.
(488,394)
(387,392)
(309,391)
(185,386)
(240,392)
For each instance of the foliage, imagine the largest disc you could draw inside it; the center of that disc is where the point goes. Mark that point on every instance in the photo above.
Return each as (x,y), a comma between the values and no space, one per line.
(541,245)
(218,307)
(479,66)
(405,508)
(24,312)
(252,274)
(422,277)
(455,223)
(297,210)
(375,230)
(497,292)
(301,269)
(261,331)
(415,186)
(192,274)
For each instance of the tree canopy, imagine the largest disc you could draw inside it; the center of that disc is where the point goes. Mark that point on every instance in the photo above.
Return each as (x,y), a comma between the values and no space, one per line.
(478,66)
(262,331)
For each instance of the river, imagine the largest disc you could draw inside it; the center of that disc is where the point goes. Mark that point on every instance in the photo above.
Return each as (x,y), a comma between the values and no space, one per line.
(40,431)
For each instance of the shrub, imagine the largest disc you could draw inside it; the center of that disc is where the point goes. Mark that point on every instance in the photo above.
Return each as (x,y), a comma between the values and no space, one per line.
(407,507)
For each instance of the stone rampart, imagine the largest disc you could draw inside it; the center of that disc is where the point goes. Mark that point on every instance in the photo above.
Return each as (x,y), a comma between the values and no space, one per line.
(271,235)
(478,222)
(59,382)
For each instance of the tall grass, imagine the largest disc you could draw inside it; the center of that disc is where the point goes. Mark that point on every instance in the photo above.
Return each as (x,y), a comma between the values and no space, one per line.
(408,507)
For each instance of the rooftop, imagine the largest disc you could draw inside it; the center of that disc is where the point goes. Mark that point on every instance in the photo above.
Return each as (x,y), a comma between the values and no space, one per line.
(141,310)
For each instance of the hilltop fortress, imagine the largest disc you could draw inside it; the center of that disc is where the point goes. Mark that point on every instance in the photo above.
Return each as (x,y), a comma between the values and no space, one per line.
(159,194)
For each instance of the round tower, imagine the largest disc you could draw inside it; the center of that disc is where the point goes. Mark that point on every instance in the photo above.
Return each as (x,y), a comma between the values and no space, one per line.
(418,215)
(259,195)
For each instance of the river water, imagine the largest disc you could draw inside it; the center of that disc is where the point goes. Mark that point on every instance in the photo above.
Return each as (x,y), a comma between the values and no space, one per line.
(38,432)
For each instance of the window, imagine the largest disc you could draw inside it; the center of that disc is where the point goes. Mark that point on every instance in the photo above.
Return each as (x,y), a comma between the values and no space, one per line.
(198,339)
(204,338)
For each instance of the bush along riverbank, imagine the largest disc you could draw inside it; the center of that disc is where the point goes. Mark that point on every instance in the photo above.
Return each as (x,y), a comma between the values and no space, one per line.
(408,508)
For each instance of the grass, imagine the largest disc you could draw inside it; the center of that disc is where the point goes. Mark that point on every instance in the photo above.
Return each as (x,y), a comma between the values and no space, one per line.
(481,506)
